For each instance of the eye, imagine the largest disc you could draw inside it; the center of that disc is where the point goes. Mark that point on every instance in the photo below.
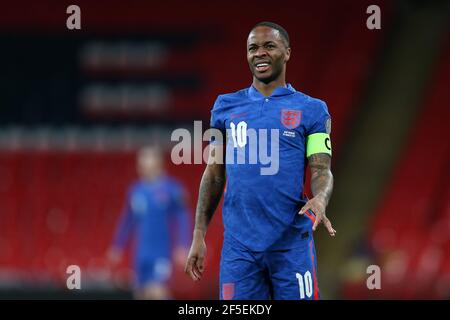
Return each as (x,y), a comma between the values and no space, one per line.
(270,46)
(252,49)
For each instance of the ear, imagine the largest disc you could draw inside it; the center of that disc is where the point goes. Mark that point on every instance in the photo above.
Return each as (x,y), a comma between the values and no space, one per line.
(287,55)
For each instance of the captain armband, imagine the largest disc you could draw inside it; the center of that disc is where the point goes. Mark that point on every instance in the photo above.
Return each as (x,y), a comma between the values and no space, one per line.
(318,143)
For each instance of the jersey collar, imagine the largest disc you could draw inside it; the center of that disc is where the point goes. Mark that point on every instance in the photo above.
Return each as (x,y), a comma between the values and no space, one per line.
(253,93)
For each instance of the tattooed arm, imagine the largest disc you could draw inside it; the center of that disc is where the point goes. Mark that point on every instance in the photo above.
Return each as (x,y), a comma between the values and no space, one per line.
(322,188)
(211,188)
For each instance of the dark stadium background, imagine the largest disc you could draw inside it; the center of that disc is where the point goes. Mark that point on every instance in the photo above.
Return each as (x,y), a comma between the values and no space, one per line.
(76,104)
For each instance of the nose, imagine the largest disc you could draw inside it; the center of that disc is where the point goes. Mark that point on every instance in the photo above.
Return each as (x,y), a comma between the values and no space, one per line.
(261,51)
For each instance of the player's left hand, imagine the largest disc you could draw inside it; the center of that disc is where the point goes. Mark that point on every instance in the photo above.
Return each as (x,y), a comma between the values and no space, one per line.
(317,205)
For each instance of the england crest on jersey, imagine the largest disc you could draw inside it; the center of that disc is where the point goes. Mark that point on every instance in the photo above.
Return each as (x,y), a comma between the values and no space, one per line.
(291,118)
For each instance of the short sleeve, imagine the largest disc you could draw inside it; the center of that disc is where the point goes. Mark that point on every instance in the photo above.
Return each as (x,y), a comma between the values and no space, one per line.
(216,121)
(321,120)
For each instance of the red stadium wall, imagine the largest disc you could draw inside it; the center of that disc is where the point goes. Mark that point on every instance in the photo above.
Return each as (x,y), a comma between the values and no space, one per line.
(409,233)
(60,208)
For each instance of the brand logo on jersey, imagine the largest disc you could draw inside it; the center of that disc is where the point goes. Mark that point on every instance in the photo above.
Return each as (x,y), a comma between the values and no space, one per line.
(291,118)
(228,291)
(238,115)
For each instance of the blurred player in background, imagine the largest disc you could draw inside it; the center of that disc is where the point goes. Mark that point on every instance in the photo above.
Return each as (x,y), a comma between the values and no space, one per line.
(268,249)
(154,207)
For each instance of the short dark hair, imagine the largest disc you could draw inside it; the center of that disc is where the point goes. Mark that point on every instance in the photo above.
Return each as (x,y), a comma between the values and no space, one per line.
(277,27)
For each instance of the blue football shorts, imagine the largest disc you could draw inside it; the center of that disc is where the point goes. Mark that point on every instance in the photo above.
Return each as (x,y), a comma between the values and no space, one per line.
(289,274)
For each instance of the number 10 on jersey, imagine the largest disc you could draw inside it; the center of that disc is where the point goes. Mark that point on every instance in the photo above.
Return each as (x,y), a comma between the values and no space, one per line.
(239,134)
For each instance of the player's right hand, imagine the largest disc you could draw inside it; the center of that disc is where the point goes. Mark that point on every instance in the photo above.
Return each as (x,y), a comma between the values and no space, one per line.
(196,257)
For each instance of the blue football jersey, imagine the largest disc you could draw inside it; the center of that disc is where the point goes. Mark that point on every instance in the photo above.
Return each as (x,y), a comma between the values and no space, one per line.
(152,211)
(266,162)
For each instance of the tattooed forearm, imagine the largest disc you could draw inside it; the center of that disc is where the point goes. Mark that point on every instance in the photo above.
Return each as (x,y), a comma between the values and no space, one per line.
(211,188)
(321,176)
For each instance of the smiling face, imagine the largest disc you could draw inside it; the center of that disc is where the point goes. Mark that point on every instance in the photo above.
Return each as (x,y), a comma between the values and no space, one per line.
(267,54)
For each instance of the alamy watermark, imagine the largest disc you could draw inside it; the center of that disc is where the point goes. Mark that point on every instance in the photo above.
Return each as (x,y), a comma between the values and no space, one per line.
(374,280)
(74,20)
(244,146)
(374,20)
(74,279)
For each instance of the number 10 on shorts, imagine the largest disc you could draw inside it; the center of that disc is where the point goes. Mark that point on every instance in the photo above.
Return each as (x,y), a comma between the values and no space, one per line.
(305,284)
